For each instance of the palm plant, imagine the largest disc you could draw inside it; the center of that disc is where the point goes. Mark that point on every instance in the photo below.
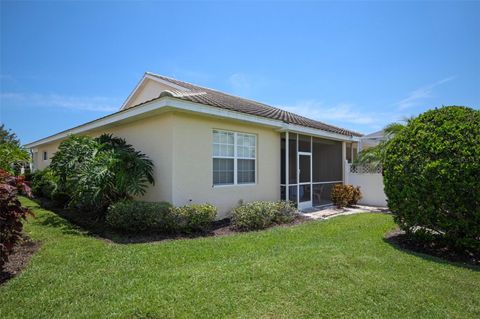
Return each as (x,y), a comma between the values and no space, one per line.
(376,155)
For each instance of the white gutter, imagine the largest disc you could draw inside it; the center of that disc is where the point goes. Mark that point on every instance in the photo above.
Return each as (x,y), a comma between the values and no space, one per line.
(169,103)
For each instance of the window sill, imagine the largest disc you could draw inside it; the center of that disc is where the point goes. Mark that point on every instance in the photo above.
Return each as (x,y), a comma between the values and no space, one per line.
(233,185)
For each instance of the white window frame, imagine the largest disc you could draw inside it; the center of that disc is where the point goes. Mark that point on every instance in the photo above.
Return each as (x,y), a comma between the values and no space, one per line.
(235,158)
(45,156)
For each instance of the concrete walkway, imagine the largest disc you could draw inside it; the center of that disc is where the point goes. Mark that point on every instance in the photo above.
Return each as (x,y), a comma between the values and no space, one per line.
(332,211)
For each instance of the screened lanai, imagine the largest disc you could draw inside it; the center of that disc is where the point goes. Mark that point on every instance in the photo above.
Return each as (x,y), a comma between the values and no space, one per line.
(310,167)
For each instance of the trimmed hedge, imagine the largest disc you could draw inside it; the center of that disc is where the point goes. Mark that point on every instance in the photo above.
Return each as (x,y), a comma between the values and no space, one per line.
(432,176)
(138,216)
(191,218)
(260,215)
(345,195)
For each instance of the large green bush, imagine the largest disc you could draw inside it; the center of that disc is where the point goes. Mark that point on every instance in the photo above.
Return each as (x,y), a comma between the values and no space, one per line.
(260,215)
(137,216)
(432,176)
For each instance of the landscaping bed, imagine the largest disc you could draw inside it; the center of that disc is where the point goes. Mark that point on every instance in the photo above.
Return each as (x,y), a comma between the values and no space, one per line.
(433,248)
(97,226)
(19,259)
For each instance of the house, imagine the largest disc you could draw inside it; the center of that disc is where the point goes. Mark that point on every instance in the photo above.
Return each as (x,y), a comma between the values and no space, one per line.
(208,146)
(372,139)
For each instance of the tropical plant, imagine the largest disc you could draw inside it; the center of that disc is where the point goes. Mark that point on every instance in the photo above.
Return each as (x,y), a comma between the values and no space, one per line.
(70,156)
(45,183)
(11,213)
(431,176)
(376,155)
(97,172)
(12,157)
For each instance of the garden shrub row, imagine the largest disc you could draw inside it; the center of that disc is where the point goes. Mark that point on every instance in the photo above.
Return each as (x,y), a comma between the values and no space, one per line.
(262,214)
(138,216)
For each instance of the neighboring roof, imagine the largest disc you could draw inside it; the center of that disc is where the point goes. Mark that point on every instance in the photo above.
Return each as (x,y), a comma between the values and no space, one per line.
(202,95)
(375,135)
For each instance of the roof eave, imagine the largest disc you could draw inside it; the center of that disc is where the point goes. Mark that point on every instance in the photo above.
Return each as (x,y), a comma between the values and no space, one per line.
(167,103)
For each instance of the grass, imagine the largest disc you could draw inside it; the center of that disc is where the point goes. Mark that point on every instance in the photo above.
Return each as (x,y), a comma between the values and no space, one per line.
(336,268)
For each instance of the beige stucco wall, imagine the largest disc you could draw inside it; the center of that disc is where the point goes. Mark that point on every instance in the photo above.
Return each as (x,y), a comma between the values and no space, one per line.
(180,146)
(150,90)
(193,164)
(152,136)
(50,148)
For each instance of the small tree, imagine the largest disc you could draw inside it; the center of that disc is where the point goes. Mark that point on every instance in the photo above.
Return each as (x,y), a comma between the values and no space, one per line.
(7,136)
(432,175)
(12,155)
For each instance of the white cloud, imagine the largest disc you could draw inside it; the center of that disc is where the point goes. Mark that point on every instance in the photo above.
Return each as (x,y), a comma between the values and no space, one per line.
(93,103)
(415,97)
(342,112)
(240,82)
(247,84)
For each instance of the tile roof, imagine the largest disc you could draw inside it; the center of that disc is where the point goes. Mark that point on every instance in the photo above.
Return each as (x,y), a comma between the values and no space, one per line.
(222,100)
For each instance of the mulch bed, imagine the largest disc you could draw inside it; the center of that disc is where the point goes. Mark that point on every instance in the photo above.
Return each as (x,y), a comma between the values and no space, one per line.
(19,259)
(97,226)
(437,249)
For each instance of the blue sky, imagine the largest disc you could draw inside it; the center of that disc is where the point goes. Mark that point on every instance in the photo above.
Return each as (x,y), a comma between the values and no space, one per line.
(359,65)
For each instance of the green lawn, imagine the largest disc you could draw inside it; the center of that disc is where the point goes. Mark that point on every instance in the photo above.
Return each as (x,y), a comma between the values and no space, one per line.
(336,268)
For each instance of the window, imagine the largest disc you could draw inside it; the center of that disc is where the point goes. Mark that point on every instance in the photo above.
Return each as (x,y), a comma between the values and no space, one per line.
(234,158)
(45,156)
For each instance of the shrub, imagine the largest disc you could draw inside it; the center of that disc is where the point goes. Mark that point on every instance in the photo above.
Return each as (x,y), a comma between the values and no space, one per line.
(431,175)
(191,218)
(44,183)
(356,195)
(345,195)
(97,172)
(137,216)
(11,213)
(260,215)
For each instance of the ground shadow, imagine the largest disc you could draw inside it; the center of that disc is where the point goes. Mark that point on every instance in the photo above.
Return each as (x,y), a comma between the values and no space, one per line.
(400,241)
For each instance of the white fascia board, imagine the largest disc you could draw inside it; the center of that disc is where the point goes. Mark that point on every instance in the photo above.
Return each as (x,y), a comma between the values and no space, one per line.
(130,96)
(104,121)
(294,128)
(167,83)
(153,78)
(173,103)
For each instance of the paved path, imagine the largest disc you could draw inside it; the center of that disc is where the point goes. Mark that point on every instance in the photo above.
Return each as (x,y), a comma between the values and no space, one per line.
(329,212)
